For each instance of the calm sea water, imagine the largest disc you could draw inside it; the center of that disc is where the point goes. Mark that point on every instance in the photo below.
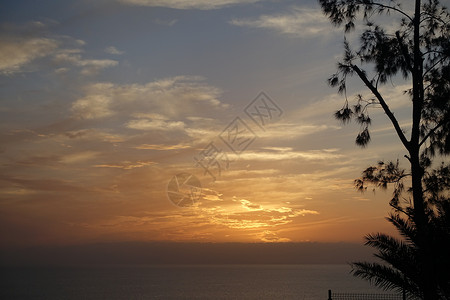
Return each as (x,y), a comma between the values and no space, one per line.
(180,282)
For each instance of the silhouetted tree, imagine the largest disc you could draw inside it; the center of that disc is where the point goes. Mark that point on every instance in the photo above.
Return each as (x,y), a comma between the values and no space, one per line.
(418,50)
(403,268)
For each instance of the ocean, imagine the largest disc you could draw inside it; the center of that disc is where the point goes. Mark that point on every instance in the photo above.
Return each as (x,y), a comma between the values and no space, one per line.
(310,282)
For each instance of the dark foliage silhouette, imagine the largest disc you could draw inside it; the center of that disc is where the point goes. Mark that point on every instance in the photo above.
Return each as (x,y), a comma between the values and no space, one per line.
(416,50)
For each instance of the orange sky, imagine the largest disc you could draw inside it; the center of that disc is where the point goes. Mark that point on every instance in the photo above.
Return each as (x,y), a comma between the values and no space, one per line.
(102,104)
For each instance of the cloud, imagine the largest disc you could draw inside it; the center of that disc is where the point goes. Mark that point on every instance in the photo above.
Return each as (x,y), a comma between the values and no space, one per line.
(162,147)
(165,22)
(300,22)
(40,185)
(246,214)
(94,135)
(93,66)
(211,195)
(294,130)
(93,106)
(253,216)
(278,148)
(183,4)
(113,50)
(76,158)
(250,173)
(17,52)
(271,237)
(88,66)
(28,42)
(145,124)
(288,153)
(157,101)
(250,206)
(127,165)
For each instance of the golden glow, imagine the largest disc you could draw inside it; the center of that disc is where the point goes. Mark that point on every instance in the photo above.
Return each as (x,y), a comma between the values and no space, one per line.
(93,132)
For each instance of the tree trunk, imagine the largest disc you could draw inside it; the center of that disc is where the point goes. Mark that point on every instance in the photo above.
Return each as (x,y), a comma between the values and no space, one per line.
(425,254)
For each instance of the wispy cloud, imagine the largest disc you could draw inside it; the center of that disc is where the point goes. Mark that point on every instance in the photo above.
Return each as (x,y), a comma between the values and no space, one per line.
(269,236)
(41,185)
(246,214)
(294,130)
(162,147)
(170,22)
(301,22)
(127,165)
(93,106)
(78,157)
(29,42)
(170,97)
(113,50)
(145,124)
(88,66)
(193,4)
(17,52)
(94,135)
(289,154)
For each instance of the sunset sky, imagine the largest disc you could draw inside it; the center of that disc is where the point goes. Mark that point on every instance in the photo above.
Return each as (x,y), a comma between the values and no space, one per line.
(103,102)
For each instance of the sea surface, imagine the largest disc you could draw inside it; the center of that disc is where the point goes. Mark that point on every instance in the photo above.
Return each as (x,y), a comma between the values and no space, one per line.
(310,282)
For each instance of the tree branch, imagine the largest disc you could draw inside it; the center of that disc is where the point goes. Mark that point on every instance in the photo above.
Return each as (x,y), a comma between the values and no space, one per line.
(383,104)
(430,16)
(434,65)
(431,132)
(388,7)
(432,51)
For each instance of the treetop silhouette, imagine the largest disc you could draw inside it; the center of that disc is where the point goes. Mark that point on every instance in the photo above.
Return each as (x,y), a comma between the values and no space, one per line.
(416,50)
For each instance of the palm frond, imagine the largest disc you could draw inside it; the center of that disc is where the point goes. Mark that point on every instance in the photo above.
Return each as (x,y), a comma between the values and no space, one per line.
(384,277)
(405,227)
